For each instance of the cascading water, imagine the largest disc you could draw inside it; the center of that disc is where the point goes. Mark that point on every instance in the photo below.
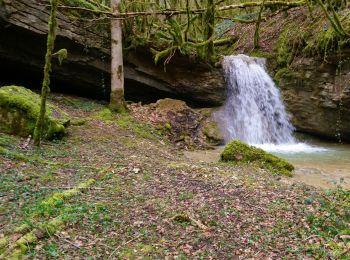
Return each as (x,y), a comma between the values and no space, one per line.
(254,111)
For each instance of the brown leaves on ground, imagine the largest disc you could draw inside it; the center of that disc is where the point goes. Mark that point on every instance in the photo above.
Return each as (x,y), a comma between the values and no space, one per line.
(150,201)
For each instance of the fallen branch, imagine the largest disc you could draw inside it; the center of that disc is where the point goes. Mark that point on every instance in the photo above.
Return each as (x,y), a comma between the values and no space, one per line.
(68,188)
(189,218)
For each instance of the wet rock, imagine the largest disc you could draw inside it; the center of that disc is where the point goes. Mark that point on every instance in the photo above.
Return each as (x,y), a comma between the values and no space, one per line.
(317,94)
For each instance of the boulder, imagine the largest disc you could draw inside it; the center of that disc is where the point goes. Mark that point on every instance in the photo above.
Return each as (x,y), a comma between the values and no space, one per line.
(183,125)
(19,109)
(239,152)
(86,71)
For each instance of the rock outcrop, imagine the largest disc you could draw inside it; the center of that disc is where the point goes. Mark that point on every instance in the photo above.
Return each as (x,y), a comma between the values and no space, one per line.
(186,127)
(23,27)
(19,110)
(317,94)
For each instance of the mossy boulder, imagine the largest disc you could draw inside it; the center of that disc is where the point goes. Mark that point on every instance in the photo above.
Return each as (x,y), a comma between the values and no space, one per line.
(19,109)
(237,151)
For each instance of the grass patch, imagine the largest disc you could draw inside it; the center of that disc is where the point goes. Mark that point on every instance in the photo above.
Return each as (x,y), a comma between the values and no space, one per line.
(143,130)
(330,224)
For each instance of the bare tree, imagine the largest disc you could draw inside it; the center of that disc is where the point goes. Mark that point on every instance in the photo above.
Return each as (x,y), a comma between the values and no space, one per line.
(117,69)
(38,131)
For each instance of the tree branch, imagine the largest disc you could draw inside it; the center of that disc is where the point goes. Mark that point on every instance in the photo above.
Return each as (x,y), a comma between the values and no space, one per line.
(167,12)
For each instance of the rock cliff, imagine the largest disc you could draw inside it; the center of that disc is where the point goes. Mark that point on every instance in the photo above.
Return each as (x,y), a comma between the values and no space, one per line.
(23,27)
(318,96)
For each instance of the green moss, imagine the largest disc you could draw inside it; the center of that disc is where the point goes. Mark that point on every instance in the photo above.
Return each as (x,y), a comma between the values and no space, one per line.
(79,122)
(7,140)
(143,130)
(19,109)
(213,133)
(105,114)
(284,53)
(47,207)
(167,126)
(22,228)
(3,243)
(237,151)
(288,75)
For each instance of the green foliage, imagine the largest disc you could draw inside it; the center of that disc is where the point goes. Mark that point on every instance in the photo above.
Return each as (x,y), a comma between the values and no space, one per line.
(288,75)
(61,55)
(143,130)
(318,37)
(95,5)
(7,140)
(290,43)
(19,109)
(105,114)
(86,106)
(79,121)
(52,250)
(187,33)
(330,223)
(239,152)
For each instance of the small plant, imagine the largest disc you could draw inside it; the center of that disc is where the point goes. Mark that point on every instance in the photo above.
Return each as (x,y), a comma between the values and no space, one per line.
(330,223)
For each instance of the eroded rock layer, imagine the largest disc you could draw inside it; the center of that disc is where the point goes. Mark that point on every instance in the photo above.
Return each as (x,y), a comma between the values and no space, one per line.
(318,96)
(23,27)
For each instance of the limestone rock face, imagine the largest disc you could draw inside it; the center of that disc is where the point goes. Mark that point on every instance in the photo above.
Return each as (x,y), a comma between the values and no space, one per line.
(317,94)
(86,71)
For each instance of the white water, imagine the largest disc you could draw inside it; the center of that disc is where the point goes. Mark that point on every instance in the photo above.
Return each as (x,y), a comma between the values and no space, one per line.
(293,148)
(254,111)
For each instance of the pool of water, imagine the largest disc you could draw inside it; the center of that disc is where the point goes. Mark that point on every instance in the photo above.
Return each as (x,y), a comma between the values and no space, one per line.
(318,163)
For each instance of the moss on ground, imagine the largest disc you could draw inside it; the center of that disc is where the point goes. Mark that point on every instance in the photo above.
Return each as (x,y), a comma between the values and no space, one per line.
(19,109)
(7,140)
(105,114)
(19,248)
(139,188)
(237,151)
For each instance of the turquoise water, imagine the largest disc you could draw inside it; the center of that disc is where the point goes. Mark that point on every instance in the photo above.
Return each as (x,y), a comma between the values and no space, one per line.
(318,163)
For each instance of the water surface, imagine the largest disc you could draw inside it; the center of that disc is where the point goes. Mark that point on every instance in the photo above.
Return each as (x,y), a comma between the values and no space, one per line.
(317,163)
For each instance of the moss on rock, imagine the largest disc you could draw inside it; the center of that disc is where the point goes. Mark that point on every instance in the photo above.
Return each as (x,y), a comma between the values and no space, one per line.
(19,109)
(237,151)
(212,133)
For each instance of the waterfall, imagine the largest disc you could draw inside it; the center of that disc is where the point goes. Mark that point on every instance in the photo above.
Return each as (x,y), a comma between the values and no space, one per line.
(253,111)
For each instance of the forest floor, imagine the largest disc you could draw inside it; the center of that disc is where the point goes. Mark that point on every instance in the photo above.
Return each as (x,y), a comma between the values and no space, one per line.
(115,189)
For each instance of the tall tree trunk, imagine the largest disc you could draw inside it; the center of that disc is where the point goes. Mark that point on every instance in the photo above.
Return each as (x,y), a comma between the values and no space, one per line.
(117,69)
(47,69)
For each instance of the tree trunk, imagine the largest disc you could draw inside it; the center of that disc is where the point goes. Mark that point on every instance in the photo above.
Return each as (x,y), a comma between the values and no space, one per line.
(257,27)
(47,69)
(117,69)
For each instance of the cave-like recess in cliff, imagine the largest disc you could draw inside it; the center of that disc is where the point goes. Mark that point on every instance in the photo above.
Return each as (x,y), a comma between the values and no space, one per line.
(22,61)
(18,73)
